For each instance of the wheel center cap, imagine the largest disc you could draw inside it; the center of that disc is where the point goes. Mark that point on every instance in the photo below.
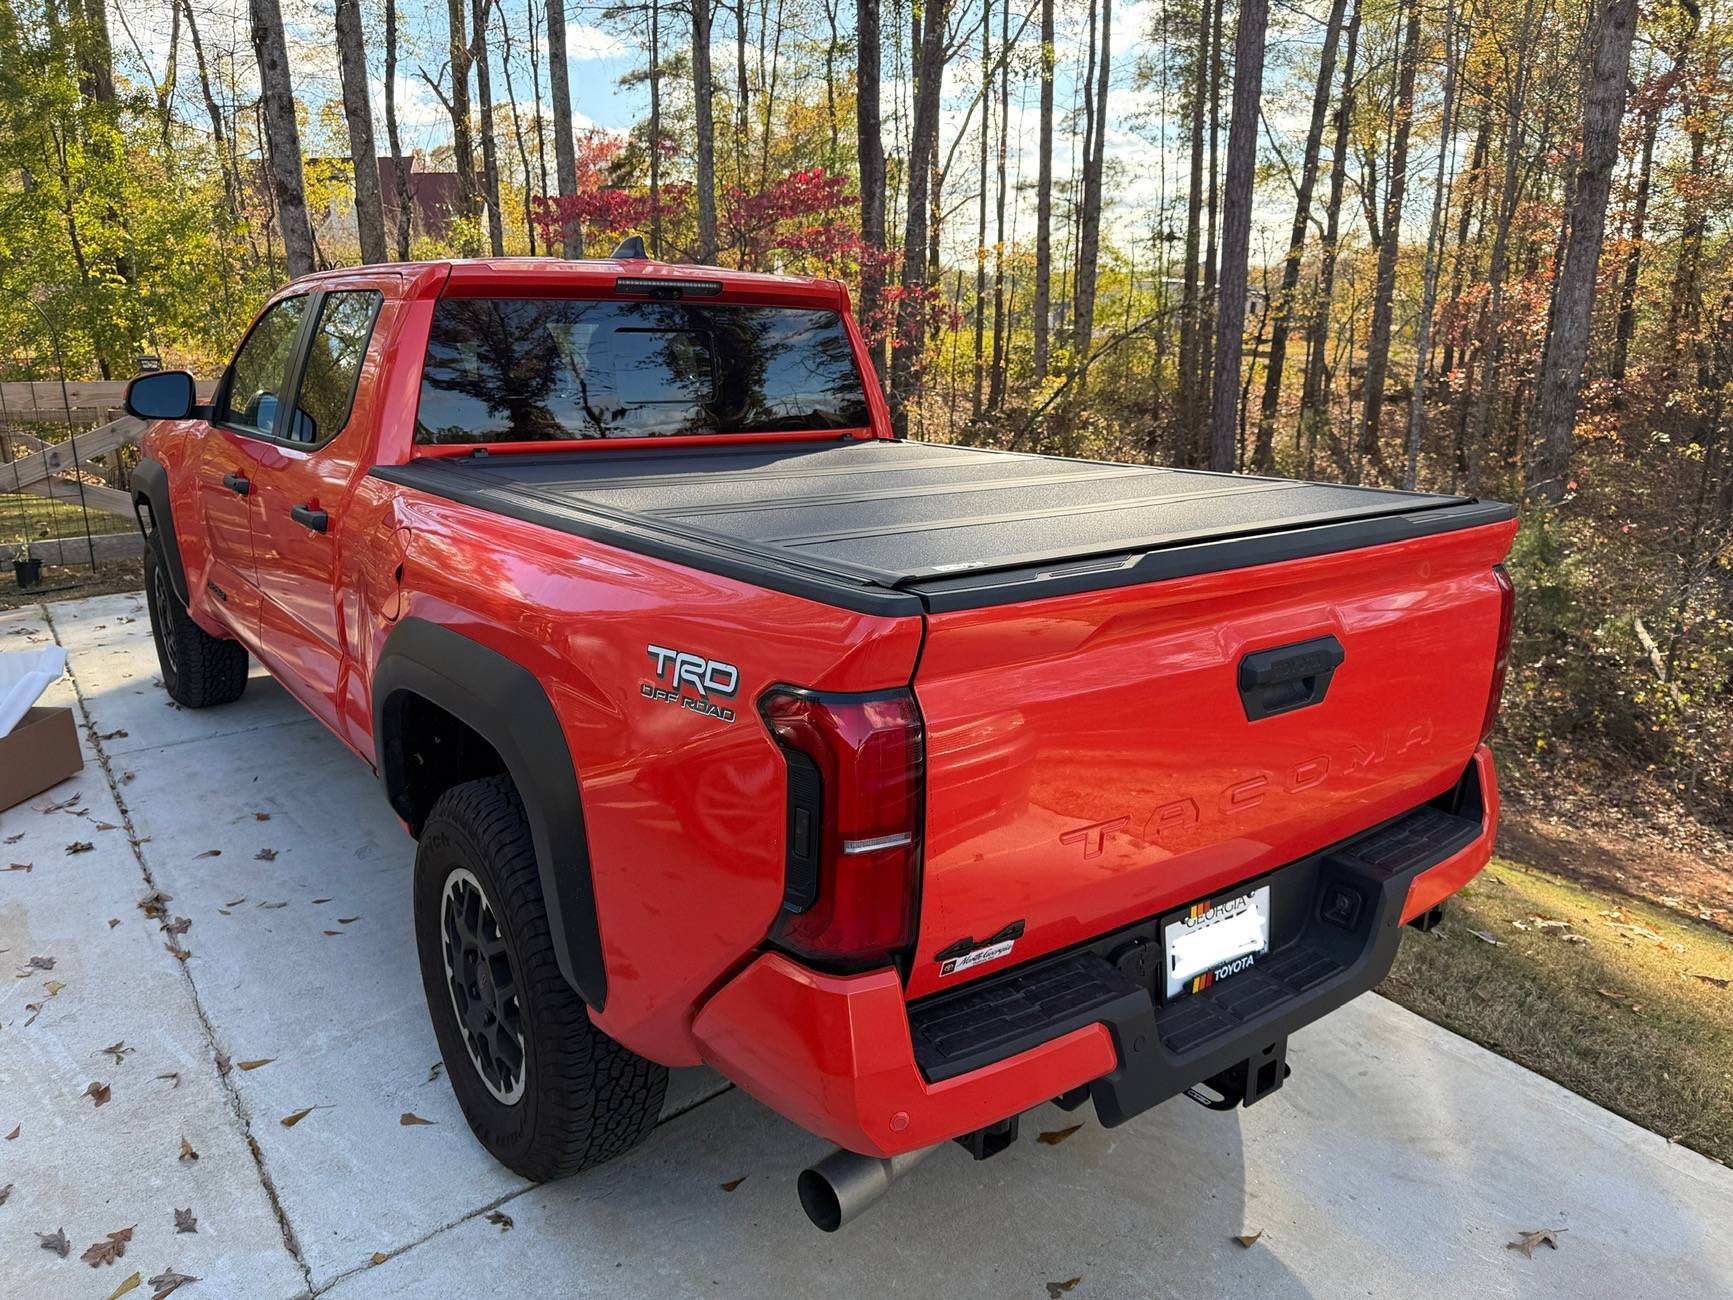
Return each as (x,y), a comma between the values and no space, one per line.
(484,982)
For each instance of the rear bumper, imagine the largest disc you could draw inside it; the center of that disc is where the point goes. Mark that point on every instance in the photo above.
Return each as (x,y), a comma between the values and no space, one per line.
(847,1058)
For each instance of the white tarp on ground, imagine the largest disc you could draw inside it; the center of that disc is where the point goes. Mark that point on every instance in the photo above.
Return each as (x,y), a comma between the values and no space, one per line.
(24,675)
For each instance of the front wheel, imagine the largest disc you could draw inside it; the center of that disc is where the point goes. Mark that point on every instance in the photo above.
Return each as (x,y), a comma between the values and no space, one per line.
(198,669)
(546,1092)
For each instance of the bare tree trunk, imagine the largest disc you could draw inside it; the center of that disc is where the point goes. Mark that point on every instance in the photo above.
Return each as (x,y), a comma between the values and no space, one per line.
(1042,307)
(1191,308)
(489,141)
(979,394)
(565,147)
(703,109)
(219,140)
(1627,326)
(996,385)
(282,136)
(1384,287)
(1314,393)
(908,343)
(358,113)
(1562,366)
(400,172)
(870,149)
(1263,457)
(655,128)
(1236,228)
(517,128)
(1094,163)
(1434,255)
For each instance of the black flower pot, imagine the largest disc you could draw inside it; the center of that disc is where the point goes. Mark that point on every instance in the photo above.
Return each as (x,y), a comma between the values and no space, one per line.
(28,572)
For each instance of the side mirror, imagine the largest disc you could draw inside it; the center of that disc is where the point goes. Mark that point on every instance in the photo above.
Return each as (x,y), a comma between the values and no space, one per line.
(164,395)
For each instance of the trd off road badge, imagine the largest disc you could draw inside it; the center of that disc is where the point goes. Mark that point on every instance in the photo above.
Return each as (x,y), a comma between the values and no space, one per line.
(692,682)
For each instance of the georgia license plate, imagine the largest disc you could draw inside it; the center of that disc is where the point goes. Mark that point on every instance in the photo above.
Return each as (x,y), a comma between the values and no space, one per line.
(1216,938)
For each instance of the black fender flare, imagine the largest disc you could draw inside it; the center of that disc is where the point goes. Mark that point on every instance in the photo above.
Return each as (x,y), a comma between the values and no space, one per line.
(150,488)
(503,702)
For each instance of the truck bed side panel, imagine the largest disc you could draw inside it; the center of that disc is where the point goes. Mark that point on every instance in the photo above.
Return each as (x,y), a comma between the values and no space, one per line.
(683,809)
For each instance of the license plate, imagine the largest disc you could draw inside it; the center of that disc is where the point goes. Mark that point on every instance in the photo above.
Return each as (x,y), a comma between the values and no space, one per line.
(1215,939)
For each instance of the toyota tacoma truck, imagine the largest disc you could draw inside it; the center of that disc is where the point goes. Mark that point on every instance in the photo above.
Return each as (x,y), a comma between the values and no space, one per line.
(909,786)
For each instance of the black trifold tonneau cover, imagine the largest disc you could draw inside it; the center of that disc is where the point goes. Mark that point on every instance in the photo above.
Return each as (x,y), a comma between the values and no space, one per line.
(902,527)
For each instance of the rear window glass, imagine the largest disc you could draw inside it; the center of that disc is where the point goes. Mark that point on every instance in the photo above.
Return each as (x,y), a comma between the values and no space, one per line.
(526,370)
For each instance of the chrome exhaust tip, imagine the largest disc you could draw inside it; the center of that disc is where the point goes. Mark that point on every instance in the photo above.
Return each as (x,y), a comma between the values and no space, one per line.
(844,1185)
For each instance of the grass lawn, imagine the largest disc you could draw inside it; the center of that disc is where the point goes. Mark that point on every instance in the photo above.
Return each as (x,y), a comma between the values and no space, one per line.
(1627,1004)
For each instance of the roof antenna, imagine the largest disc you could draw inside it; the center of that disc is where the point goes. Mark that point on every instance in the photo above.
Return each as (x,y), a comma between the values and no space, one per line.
(630,249)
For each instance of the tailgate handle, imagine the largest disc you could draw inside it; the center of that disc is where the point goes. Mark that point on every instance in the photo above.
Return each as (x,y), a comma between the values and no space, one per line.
(1288,677)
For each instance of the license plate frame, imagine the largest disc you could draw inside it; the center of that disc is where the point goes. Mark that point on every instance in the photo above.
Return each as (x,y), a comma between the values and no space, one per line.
(1214,939)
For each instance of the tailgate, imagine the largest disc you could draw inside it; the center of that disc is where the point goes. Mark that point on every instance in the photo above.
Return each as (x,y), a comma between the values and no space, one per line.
(1091,761)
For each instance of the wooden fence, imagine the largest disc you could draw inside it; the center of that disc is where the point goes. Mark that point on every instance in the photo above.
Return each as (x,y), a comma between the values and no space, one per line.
(85,469)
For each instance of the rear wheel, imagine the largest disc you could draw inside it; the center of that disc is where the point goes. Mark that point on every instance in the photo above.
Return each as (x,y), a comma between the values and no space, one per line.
(546,1092)
(198,669)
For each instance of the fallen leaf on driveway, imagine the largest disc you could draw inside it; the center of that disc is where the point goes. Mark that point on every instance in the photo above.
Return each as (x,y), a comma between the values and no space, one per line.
(187,1152)
(208,853)
(236,902)
(176,951)
(99,1093)
(13,839)
(112,735)
(433,1071)
(119,1051)
(179,926)
(732,1183)
(317,901)
(332,934)
(379,1257)
(22,866)
(5,1192)
(254,1065)
(289,1121)
(274,905)
(265,855)
(41,963)
(15,1132)
(410,1118)
(1527,1241)
(261,816)
(155,904)
(167,1283)
(1716,980)
(80,846)
(1058,1135)
(186,1220)
(1484,937)
(174,1077)
(1250,1239)
(502,1219)
(56,1241)
(107,1250)
(1057,1289)
(347,920)
(131,1284)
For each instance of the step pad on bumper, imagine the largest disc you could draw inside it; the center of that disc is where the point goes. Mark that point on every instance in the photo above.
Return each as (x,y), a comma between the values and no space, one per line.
(1321,956)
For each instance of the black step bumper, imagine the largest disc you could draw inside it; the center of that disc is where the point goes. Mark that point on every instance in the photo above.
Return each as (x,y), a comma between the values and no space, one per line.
(1336,923)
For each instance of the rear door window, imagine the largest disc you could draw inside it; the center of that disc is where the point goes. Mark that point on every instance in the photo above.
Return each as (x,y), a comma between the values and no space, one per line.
(334,357)
(528,370)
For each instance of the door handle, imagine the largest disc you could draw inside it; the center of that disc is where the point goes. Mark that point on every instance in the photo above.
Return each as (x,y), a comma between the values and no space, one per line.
(237,483)
(317,520)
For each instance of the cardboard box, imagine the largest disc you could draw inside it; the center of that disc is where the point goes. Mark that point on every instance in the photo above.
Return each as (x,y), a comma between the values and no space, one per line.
(41,751)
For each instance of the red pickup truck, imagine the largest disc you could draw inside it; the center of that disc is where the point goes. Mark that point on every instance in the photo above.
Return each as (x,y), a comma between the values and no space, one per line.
(909,786)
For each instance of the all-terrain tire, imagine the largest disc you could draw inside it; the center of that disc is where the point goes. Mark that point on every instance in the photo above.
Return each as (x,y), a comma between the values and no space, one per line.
(198,669)
(582,1098)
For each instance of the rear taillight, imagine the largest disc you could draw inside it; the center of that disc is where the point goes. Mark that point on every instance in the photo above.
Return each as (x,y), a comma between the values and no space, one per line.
(1506,621)
(854,795)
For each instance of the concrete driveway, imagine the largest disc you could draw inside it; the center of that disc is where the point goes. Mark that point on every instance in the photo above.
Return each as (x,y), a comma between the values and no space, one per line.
(1398,1161)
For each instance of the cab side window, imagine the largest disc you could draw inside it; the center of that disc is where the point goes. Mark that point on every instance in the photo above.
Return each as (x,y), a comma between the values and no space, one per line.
(249,401)
(333,367)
